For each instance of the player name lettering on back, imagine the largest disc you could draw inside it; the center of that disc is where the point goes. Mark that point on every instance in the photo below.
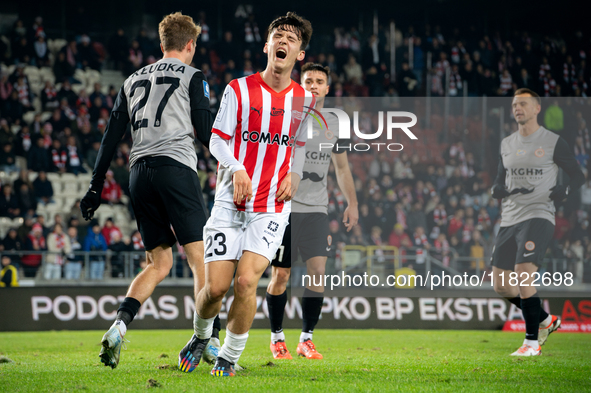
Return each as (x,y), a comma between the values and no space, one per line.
(159,67)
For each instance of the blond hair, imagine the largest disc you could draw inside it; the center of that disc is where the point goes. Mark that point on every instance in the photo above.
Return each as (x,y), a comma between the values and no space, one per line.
(176,30)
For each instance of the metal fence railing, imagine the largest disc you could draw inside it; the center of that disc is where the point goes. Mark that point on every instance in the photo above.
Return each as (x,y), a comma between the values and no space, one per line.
(87,265)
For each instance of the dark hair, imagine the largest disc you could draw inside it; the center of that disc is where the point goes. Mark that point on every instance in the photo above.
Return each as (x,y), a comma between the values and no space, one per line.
(316,67)
(532,93)
(294,23)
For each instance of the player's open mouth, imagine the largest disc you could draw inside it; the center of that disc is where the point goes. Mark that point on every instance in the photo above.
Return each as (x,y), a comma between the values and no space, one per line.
(281,53)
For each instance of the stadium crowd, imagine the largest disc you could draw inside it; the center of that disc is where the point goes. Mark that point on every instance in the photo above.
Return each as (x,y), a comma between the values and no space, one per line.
(410,201)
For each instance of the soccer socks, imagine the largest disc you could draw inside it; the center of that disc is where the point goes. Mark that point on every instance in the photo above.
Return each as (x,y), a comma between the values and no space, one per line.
(532,343)
(531,313)
(311,308)
(203,327)
(233,346)
(546,322)
(127,311)
(545,318)
(217,326)
(305,336)
(276,306)
(277,337)
(122,326)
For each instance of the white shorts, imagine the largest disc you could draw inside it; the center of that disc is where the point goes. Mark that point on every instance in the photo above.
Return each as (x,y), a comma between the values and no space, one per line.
(228,233)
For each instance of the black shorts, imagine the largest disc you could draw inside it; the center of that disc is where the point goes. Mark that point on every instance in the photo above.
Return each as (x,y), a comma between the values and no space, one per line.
(165,193)
(308,234)
(521,243)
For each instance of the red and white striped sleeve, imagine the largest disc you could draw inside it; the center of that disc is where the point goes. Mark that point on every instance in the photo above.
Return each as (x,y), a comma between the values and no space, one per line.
(227,118)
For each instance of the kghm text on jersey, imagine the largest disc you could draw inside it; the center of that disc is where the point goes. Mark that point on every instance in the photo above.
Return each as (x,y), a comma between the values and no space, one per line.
(159,67)
(527,172)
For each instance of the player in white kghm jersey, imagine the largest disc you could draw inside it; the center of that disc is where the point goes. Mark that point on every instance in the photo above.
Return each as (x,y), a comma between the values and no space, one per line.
(527,184)
(258,138)
(308,231)
(167,104)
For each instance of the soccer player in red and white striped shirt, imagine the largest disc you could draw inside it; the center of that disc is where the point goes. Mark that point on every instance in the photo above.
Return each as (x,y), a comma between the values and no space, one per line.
(259,139)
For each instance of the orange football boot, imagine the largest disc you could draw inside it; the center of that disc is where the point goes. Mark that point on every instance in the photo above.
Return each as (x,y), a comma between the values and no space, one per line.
(308,350)
(280,351)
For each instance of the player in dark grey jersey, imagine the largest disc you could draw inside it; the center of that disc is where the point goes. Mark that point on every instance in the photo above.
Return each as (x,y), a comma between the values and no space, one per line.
(167,104)
(308,230)
(527,183)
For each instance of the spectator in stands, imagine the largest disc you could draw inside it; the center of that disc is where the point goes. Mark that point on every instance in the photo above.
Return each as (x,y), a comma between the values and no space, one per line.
(8,274)
(58,245)
(74,163)
(407,81)
(25,228)
(43,188)
(121,174)
(76,219)
(357,237)
(111,190)
(109,230)
(22,52)
(39,158)
(73,266)
(5,87)
(63,69)
(135,57)
(67,93)
(8,159)
(41,51)
(6,135)
(117,46)
(441,249)
(40,219)
(95,242)
(59,157)
(9,206)
(23,142)
(71,53)
(12,243)
(49,97)
(35,242)
(87,138)
(456,223)
(476,247)
(13,109)
(399,238)
(416,217)
(26,199)
(88,55)
(422,245)
(118,247)
(353,71)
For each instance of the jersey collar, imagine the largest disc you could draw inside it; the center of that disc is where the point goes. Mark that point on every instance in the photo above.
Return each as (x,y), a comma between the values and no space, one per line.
(281,93)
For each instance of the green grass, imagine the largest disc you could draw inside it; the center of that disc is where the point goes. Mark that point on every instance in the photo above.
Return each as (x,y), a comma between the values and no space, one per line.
(354,360)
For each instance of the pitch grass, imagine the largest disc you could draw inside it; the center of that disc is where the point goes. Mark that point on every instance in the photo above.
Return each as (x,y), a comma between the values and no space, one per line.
(354,360)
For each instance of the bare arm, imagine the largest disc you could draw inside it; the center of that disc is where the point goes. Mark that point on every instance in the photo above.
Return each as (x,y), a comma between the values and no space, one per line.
(347,186)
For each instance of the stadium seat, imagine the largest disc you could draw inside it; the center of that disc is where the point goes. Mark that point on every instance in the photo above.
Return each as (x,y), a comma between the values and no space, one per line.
(76,88)
(52,176)
(29,117)
(5,225)
(68,202)
(69,188)
(45,116)
(47,75)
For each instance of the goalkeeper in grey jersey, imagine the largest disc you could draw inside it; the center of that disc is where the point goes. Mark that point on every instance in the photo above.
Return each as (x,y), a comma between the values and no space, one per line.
(527,184)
